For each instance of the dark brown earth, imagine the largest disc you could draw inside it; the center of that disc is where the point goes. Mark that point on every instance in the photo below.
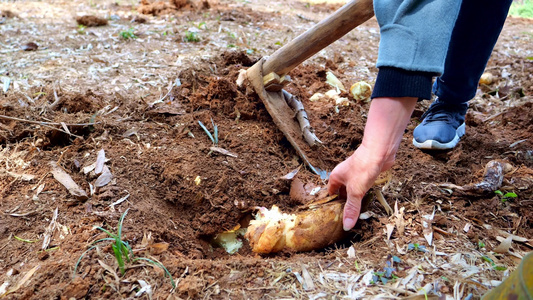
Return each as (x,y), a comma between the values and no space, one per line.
(157,153)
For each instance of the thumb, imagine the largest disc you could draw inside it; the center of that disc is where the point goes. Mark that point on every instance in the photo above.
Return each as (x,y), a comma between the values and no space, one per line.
(352,208)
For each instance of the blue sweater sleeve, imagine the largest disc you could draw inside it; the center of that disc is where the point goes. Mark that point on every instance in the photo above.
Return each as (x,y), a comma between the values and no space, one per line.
(415,33)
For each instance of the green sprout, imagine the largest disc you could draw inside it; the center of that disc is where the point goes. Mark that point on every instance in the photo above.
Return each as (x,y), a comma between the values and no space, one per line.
(202,25)
(506,196)
(81,29)
(122,251)
(213,137)
(417,247)
(494,266)
(128,34)
(480,244)
(385,275)
(232,35)
(191,37)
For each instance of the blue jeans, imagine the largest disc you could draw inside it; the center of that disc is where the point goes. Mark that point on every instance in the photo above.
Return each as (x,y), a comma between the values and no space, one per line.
(474,35)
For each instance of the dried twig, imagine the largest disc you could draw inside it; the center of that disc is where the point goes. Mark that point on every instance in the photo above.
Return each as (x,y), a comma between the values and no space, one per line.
(56,102)
(49,124)
(4,117)
(222,151)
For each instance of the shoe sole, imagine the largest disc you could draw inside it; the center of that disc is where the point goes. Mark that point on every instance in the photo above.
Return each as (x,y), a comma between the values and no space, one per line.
(436,145)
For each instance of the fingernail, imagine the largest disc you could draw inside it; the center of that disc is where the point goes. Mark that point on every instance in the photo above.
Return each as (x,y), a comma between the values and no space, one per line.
(348,224)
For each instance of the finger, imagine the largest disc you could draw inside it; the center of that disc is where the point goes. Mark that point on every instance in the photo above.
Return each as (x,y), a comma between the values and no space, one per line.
(334,183)
(352,208)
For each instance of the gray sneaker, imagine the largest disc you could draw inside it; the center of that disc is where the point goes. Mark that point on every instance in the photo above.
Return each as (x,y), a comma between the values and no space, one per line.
(442,126)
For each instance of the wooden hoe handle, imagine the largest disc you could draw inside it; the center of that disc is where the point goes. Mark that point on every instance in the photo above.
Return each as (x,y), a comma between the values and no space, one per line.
(319,36)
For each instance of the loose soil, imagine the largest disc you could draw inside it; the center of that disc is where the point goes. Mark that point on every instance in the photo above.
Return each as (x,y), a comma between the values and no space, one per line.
(144,98)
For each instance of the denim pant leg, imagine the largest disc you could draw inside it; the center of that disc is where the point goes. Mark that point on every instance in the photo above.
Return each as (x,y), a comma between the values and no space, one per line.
(473,38)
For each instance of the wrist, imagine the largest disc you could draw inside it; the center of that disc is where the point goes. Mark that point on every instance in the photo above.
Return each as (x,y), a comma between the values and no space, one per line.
(386,123)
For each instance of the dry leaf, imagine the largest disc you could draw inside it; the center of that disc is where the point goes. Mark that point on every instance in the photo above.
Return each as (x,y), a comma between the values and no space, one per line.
(504,246)
(309,285)
(22,281)
(381,199)
(427,221)
(145,288)
(291,174)
(400,221)
(390,229)
(104,179)
(87,169)
(67,182)
(100,161)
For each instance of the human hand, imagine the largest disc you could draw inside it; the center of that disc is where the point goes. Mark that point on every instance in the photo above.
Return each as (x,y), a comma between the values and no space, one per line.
(387,119)
(352,178)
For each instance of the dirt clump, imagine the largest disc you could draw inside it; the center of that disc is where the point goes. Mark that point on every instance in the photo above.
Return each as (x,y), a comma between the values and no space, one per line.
(236,58)
(7,14)
(157,8)
(91,21)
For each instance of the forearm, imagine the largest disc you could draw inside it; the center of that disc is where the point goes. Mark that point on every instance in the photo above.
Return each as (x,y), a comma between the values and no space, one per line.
(386,123)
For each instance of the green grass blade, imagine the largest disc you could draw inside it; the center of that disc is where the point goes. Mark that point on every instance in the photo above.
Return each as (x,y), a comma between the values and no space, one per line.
(120,224)
(79,260)
(206,131)
(127,251)
(118,240)
(103,240)
(215,132)
(120,260)
(112,235)
(160,265)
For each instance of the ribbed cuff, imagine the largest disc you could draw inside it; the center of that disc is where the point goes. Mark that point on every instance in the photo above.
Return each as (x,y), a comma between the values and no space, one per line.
(395,82)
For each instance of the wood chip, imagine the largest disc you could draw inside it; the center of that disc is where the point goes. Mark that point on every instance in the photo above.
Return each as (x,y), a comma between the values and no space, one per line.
(50,230)
(467,227)
(351,252)
(65,179)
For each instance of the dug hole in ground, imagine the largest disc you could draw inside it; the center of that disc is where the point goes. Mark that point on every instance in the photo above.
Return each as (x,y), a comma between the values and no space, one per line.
(99,120)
